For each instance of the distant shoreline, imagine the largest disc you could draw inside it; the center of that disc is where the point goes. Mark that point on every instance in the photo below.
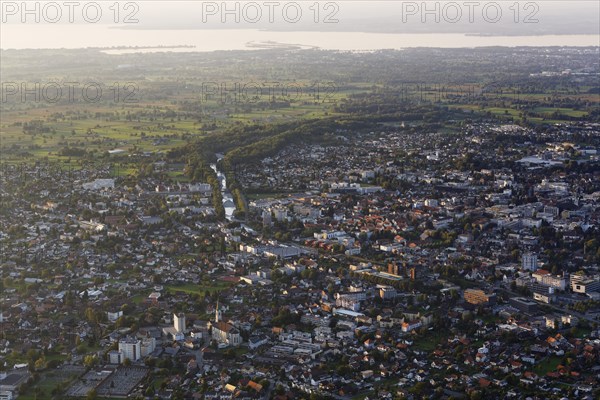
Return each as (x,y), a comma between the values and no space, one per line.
(103,38)
(176,46)
(359,30)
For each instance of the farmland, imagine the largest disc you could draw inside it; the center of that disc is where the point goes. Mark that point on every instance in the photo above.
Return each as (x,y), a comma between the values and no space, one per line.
(151,110)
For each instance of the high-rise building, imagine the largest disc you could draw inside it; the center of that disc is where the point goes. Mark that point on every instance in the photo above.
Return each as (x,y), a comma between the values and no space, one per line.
(147,347)
(529,262)
(130,348)
(267,220)
(179,322)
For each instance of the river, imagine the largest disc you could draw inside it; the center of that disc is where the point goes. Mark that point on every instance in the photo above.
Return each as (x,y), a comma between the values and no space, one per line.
(228,202)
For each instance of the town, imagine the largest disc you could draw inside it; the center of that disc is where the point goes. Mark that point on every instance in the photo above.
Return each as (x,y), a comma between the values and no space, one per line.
(382,264)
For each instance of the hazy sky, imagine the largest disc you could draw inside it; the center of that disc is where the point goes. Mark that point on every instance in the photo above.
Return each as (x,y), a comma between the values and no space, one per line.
(45,19)
(391,15)
(493,17)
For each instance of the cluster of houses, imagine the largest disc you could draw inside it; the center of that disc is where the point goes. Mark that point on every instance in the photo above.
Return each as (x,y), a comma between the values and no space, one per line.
(410,267)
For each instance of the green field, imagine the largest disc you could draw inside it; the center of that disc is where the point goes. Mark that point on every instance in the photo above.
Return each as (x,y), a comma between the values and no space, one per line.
(546,365)
(565,111)
(191,288)
(156,127)
(48,381)
(429,341)
(269,195)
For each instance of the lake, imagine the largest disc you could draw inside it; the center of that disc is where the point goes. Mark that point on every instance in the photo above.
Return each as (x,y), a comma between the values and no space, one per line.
(45,36)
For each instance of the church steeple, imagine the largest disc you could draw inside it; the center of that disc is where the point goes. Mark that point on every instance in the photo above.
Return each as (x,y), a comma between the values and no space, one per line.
(217,313)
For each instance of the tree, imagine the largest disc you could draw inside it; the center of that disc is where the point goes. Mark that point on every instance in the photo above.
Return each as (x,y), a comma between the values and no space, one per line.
(92,395)
(90,360)
(40,363)
(90,315)
(476,395)
(418,389)
(265,383)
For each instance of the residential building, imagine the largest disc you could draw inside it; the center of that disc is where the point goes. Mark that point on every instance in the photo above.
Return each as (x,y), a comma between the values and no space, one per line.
(529,262)
(130,348)
(546,278)
(409,326)
(179,322)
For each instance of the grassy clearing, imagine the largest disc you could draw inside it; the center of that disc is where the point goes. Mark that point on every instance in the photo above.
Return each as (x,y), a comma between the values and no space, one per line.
(201,289)
(564,111)
(138,298)
(270,195)
(548,364)
(49,380)
(429,341)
